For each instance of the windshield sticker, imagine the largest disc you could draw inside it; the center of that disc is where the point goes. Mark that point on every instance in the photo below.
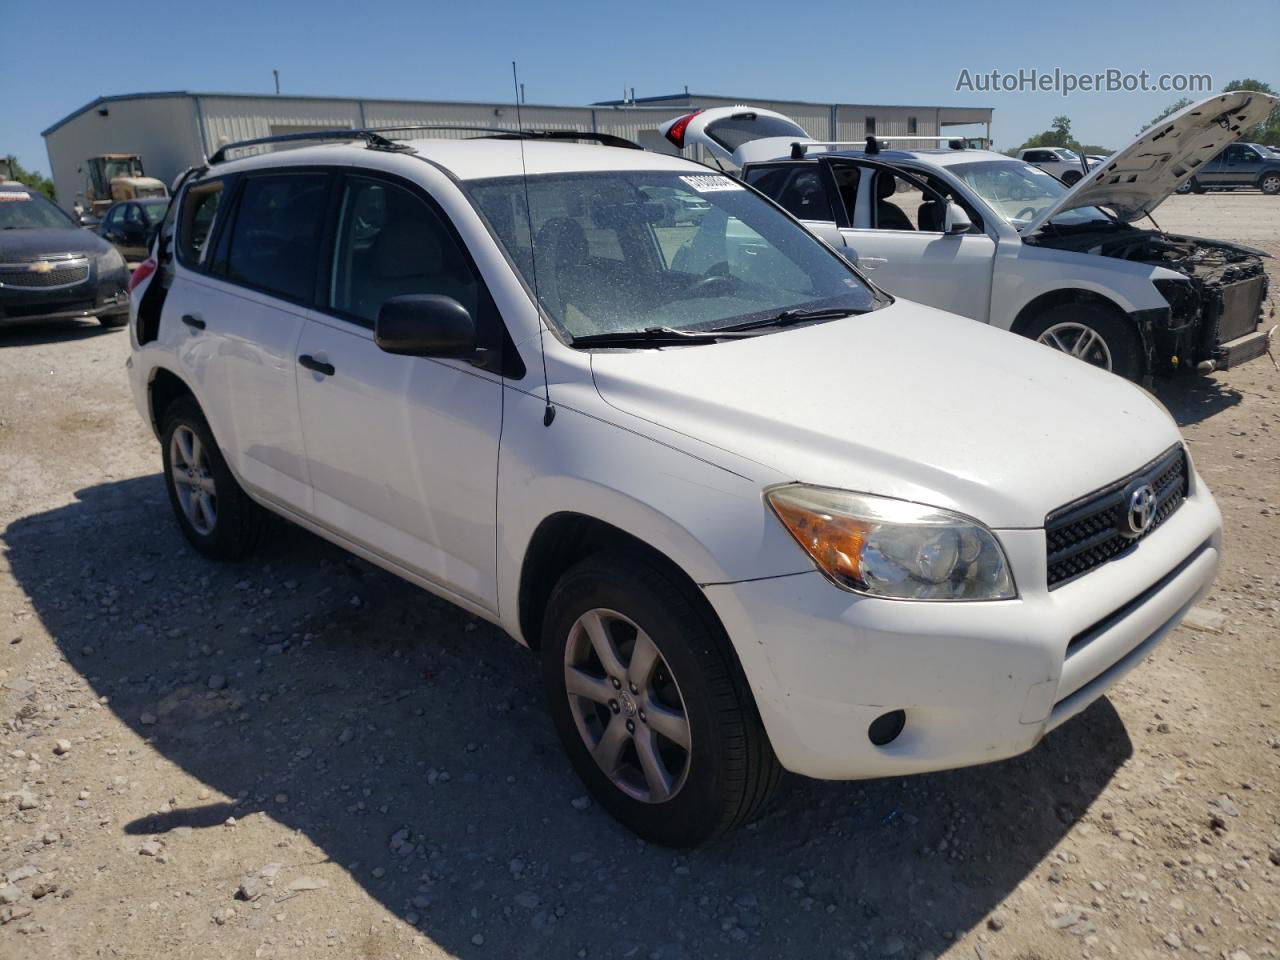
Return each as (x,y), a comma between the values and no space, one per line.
(13,196)
(711,183)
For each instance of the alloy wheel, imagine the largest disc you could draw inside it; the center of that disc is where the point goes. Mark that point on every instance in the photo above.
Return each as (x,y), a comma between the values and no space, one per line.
(1080,341)
(192,480)
(627,706)
(1271,184)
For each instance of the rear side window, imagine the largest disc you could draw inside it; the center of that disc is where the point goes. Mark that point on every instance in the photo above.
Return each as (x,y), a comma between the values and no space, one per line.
(275,239)
(199,211)
(798,189)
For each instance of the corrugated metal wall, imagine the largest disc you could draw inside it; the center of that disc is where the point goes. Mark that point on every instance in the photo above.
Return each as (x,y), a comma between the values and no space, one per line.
(168,131)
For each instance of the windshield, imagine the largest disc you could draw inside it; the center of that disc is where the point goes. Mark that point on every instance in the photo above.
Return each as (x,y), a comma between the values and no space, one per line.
(621,252)
(1020,192)
(1066,154)
(732,132)
(154,211)
(24,210)
(121,168)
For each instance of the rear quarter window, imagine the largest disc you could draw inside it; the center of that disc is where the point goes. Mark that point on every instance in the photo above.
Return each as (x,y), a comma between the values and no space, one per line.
(199,212)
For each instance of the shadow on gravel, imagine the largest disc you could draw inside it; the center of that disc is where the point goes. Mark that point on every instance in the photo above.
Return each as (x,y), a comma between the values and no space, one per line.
(356,706)
(51,331)
(1193,398)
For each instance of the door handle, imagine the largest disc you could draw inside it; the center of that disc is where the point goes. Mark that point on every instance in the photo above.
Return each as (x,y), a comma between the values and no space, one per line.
(193,321)
(318,366)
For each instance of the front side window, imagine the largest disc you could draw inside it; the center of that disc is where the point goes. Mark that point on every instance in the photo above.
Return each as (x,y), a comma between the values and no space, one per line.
(1019,192)
(603,255)
(389,244)
(275,239)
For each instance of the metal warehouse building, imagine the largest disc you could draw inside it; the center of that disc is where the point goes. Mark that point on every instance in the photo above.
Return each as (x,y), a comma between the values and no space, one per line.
(175,130)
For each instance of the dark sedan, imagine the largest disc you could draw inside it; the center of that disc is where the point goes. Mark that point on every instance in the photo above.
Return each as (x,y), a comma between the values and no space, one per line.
(129,225)
(50,268)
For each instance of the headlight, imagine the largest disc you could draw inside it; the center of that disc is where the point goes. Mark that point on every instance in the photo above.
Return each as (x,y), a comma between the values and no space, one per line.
(893,548)
(110,261)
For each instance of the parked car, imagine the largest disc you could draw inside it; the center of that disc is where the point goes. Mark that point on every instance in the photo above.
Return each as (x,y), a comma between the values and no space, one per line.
(752,512)
(129,225)
(998,240)
(51,269)
(1242,166)
(1062,163)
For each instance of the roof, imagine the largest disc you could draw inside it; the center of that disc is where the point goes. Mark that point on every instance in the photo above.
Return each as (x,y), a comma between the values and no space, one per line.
(169,94)
(685,99)
(936,157)
(482,158)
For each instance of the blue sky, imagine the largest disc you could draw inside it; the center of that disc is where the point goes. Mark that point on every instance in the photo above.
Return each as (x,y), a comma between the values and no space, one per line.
(577,52)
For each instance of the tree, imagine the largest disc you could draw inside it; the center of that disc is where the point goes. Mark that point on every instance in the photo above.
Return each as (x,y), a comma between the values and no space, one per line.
(1269,130)
(30,178)
(1169,110)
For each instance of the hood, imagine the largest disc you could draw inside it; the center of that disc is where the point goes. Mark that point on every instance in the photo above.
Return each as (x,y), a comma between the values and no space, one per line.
(1136,179)
(18,246)
(906,402)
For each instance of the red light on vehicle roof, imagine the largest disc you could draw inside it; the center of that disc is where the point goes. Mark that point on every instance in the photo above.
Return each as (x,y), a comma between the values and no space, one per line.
(143,270)
(675,133)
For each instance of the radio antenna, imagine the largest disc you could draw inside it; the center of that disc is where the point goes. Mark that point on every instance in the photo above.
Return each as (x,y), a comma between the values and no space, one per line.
(549,413)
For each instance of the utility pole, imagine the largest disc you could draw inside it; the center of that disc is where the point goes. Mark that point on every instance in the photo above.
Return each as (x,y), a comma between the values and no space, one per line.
(276,74)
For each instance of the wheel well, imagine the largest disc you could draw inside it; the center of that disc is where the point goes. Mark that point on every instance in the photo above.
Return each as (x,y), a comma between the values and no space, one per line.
(165,388)
(1057,298)
(564,539)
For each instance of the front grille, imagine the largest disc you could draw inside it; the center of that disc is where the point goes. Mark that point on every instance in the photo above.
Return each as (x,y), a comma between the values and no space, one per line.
(21,276)
(1085,534)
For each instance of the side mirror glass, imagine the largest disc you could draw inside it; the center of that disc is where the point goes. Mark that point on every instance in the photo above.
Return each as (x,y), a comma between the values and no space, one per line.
(425,325)
(956,220)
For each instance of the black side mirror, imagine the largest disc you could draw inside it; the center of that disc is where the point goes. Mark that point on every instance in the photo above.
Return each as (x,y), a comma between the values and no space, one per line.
(426,325)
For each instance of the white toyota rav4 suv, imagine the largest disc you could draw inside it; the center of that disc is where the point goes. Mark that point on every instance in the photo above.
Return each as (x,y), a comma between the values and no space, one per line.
(753,512)
(996,239)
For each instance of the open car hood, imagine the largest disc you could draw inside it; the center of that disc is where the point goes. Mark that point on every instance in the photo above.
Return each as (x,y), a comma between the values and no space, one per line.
(1136,179)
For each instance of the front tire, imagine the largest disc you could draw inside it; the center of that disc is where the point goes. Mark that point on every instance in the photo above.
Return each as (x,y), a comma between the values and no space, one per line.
(1091,333)
(1270,184)
(1071,177)
(215,514)
(651,703)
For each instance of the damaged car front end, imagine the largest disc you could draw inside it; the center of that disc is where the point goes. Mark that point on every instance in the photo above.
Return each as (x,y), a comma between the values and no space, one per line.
(1216,294)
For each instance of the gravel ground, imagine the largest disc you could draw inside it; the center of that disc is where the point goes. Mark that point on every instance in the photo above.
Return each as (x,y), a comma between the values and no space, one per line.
(303,756)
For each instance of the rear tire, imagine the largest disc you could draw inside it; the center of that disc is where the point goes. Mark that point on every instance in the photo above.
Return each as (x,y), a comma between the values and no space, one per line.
(725,771)
(1270,184)
(215,514)
(1093,333)
(113,320)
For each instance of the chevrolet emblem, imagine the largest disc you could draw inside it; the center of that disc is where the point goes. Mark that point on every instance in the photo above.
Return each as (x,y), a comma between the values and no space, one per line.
(40,266)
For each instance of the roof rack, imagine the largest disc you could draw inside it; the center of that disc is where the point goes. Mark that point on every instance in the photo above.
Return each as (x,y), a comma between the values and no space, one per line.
(872,144)
(374,139)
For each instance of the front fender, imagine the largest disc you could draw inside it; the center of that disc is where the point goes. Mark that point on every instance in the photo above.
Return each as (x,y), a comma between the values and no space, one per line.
(710,521)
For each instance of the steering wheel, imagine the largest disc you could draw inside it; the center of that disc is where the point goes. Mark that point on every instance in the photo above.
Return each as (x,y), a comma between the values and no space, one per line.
(1026,213)
(713,286)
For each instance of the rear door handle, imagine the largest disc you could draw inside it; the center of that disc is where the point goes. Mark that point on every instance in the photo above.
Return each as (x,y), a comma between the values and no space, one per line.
(319,366)
(193,321)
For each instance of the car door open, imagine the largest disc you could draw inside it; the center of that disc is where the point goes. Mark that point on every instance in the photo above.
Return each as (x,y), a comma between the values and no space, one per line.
(910,239)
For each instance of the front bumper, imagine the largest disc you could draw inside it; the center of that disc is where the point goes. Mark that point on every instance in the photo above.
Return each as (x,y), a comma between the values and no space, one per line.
(978,681)
(96,296)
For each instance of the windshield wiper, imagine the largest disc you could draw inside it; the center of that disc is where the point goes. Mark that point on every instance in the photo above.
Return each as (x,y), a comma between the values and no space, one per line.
(789,317)
(656,336)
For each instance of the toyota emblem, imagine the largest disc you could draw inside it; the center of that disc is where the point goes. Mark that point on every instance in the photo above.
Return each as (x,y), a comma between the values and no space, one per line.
(1139,511)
